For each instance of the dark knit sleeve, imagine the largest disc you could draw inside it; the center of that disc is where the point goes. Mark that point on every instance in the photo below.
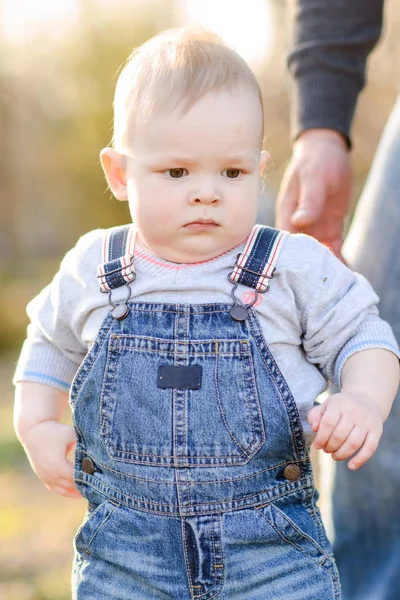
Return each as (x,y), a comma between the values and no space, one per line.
(332,40)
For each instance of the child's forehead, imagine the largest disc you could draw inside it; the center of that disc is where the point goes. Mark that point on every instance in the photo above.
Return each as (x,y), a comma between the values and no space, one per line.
(223,117)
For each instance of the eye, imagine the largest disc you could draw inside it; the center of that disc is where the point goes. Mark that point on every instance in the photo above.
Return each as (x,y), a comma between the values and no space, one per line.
(232,173)
(176,173)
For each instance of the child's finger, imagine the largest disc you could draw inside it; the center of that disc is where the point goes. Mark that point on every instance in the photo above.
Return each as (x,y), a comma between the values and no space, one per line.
(314,416)
(339,435)
(67,483)
(62,483)
(370,445)
(66,471)
(62,491)
(70,440)
(354,441)
(62,472)
(329,421)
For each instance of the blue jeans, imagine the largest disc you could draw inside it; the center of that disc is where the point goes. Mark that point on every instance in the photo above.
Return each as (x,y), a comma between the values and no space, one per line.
(366,503)
(191,455)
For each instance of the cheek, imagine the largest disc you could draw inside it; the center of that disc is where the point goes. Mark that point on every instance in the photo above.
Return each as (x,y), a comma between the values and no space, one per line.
(146,202)
(245,202)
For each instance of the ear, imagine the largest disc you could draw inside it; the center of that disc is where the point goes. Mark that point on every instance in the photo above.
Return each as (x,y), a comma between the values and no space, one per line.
(114,168)
(264,158)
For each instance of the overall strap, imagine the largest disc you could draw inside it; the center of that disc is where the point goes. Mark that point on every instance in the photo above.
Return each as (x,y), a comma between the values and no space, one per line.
(255,266)
(117,268)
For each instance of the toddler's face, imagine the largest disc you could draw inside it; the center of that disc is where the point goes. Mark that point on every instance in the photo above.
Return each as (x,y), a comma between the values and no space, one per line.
(193,179)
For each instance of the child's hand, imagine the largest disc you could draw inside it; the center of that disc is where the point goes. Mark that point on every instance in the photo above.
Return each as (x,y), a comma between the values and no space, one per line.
(345,423)
(47,445)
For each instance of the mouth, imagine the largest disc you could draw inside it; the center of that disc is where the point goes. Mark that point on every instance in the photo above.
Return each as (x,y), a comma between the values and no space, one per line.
(202,224)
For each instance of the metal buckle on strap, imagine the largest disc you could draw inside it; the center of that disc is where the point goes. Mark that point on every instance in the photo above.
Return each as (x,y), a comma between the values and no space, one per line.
(264,286)
(118,269)
(119,309)
(241,268)
(239,311)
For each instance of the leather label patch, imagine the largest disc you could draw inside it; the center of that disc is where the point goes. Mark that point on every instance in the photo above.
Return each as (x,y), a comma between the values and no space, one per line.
(179,378)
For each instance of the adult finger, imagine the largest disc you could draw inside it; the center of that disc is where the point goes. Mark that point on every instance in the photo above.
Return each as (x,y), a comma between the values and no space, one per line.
(287,200)
(311,200)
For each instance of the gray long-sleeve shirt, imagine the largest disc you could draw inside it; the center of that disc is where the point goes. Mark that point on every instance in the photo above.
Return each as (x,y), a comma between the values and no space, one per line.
(332,40)
(316,314)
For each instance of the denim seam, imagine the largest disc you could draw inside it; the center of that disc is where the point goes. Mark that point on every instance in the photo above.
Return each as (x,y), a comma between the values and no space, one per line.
(236,499)
(299,531)
(218,580)
(221,556)
(292,543)
(211,481)
(212,561)
(185,403)
(185,421)
(220,573)
(108,385)
(291,406)
(89,360)
(172,353)
(248,396)
(100,526)
(138,501)
(137,308)
(257,402)
(185,342)
(188,490)
(174,400)
(183,521)
(298,548)
(317,521)
(223,414)
(174,456)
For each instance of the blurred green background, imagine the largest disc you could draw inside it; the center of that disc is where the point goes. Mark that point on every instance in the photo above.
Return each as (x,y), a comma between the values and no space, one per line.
(57,78)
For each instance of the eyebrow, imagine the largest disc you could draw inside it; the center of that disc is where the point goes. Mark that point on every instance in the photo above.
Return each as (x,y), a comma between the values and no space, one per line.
(187,161)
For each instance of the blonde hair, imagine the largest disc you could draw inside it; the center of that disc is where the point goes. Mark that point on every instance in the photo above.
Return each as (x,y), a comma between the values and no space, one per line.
(172,70)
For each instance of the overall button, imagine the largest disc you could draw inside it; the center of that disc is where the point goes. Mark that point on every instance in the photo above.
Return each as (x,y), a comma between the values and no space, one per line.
(88,465)
(292,472)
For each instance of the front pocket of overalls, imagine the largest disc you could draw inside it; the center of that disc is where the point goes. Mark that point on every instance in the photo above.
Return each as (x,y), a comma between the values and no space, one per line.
(218,423)
(280,527)
(94,521)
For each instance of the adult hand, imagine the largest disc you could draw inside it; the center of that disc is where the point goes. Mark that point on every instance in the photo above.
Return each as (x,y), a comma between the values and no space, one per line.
(315,191)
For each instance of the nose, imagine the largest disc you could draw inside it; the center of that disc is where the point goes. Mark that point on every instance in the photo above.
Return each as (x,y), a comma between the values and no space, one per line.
(205,193)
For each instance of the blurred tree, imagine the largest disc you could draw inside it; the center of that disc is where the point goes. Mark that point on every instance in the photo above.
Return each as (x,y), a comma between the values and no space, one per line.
(58,115)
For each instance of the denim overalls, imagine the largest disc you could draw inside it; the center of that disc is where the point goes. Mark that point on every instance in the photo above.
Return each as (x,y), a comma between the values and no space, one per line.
(190,452)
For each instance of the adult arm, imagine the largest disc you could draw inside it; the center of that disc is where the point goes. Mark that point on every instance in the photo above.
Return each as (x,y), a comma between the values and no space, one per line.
(332,40)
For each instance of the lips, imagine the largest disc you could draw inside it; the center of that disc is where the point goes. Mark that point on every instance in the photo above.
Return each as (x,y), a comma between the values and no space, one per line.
(200,222)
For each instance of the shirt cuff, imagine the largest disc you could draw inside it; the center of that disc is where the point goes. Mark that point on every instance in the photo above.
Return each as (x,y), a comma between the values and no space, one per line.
(319,101)
(43,363)
(370,335)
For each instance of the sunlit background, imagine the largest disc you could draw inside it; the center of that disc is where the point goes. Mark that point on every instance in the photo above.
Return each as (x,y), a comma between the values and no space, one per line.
(57,75)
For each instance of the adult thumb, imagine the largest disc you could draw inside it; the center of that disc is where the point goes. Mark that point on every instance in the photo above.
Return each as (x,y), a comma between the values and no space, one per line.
(312,198)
